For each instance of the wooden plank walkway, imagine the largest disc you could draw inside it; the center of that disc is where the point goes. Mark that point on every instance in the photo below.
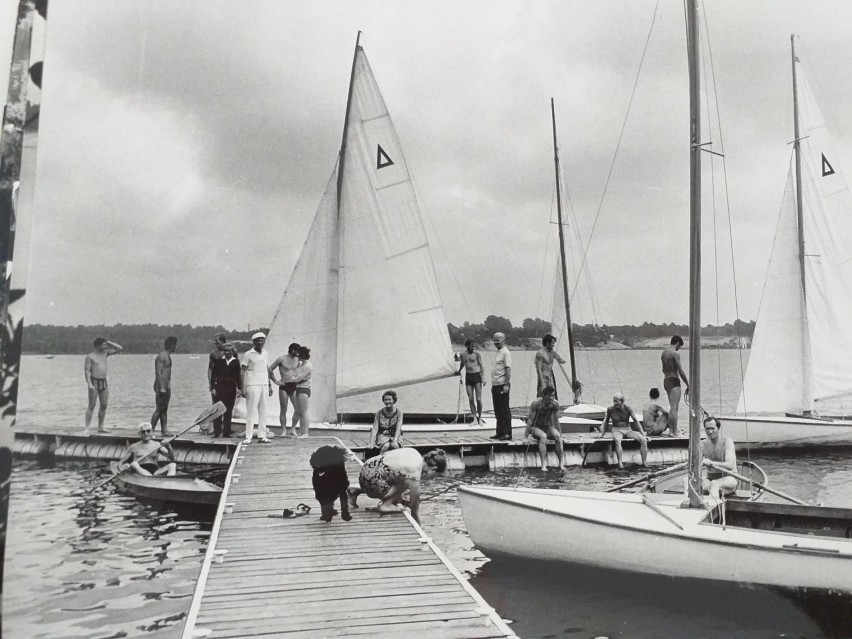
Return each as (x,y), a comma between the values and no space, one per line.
(301,577)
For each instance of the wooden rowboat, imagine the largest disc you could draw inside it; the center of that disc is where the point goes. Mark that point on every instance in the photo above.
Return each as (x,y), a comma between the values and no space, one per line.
(181,489)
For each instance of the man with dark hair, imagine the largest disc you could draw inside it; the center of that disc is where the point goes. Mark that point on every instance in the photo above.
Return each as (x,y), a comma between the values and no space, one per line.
(471,363)
(719,451)
(219,340)
(543,423)
(287,365)
(654,417)
(163,384)
(672,374)
(225,387)
(544,365)
(95,372)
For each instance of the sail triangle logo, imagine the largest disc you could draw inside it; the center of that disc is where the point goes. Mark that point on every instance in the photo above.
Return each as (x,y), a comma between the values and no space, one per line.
(827,169)
(383,159)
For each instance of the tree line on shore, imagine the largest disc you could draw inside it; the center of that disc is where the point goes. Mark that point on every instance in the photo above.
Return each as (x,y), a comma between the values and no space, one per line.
(41,339)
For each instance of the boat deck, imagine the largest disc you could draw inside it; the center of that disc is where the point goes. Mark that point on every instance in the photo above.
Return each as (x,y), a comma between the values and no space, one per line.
(301,577)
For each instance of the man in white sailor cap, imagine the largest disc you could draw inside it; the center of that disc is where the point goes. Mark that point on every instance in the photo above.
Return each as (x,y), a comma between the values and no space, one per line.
(254,381)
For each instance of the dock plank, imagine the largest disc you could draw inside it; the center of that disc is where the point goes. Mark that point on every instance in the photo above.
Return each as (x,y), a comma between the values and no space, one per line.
(301,577)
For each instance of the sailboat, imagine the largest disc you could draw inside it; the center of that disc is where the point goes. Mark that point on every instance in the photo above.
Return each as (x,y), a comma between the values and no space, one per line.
(801,353)
(363,295)
(578,415)
(788,545)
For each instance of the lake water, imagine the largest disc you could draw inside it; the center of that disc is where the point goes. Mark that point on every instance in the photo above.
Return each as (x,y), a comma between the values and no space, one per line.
(103,565)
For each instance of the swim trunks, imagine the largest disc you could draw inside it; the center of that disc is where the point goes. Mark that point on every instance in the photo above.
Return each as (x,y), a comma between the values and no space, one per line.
(670,383)
(472,379)
(301,390)
(288,387)
(99,383)
(162,400)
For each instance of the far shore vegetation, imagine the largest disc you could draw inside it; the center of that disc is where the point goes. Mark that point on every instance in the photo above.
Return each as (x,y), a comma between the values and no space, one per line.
(40,339)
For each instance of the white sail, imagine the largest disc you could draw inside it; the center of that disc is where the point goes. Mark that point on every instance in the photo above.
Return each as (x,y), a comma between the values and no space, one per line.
(363,295)
(391,329)
(307,313)
(824,368)
(778,361)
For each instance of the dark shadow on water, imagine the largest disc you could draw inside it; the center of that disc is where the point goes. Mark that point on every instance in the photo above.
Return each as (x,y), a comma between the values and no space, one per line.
(597,602)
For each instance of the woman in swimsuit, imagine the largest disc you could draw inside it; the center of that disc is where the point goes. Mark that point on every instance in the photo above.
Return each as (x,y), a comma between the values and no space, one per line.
(387,425)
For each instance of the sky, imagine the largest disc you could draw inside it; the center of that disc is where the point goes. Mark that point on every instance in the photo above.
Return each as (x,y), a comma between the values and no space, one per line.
(184,148)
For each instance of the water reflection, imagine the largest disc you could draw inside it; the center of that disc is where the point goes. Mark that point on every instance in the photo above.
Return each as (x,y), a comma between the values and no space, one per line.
(95,564)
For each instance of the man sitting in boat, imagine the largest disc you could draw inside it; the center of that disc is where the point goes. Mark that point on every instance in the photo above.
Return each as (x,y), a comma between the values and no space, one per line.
(543,423)
(619,416)
(148,456)
(718,451)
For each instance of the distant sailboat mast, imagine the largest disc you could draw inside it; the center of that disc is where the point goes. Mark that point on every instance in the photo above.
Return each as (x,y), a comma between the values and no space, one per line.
(797,149)
(568,328)
(693,52)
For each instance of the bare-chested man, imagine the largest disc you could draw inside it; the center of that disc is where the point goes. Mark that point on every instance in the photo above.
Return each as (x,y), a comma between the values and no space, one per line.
(617,419)
(544,365)
(163,385)
(148,456)
(95,371)
(655,417)
(719,451)
(471,363)
(672,374)
(287,365)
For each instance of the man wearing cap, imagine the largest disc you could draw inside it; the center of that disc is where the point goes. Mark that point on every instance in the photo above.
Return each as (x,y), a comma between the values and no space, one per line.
(254,380)
(142,458)
(501,375)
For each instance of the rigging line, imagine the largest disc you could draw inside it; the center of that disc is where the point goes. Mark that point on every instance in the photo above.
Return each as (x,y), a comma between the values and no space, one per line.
(705,62)
(728,207)
(620,134)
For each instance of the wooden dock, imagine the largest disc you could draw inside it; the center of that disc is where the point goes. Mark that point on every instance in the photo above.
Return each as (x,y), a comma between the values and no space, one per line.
(265,575)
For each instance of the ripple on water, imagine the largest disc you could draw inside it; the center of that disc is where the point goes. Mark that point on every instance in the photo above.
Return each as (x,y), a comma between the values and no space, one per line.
(97,564)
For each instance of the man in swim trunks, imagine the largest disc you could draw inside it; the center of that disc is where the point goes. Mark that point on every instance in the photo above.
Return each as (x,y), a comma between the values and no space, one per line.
(654,417)
(95,372)
(544,365)
(543,423)
(471,363)
(720,451)
(163,385)
(672,374)
(142,457)
(619,415)
(287,366)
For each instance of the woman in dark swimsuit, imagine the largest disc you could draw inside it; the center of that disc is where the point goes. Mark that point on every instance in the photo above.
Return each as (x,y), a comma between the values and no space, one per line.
(387,425)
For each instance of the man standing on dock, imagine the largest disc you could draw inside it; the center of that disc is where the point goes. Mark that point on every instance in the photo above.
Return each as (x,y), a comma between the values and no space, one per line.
(163,385)
(225,387)
(544,365)
(501,375)
(471,363)
(218,350)
(95,371)
(254,381)
(672,374)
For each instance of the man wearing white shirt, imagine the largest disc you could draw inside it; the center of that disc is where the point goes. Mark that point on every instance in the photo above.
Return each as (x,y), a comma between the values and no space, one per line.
(501,375)
(254,381)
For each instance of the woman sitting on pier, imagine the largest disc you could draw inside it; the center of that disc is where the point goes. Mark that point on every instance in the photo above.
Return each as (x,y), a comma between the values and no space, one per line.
(387,425)
(389,475)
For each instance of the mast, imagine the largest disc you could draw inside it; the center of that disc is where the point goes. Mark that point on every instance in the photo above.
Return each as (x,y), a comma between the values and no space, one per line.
(800,228)
(562,255)
(693,52)
(342,154)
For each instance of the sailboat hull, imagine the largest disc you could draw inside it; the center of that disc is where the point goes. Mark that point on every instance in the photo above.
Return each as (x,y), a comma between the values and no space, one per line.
(764,432)
(621,532)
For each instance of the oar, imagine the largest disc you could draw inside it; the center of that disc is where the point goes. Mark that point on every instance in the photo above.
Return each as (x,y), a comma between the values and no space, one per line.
(757,483)
(655,474)
(209,414)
